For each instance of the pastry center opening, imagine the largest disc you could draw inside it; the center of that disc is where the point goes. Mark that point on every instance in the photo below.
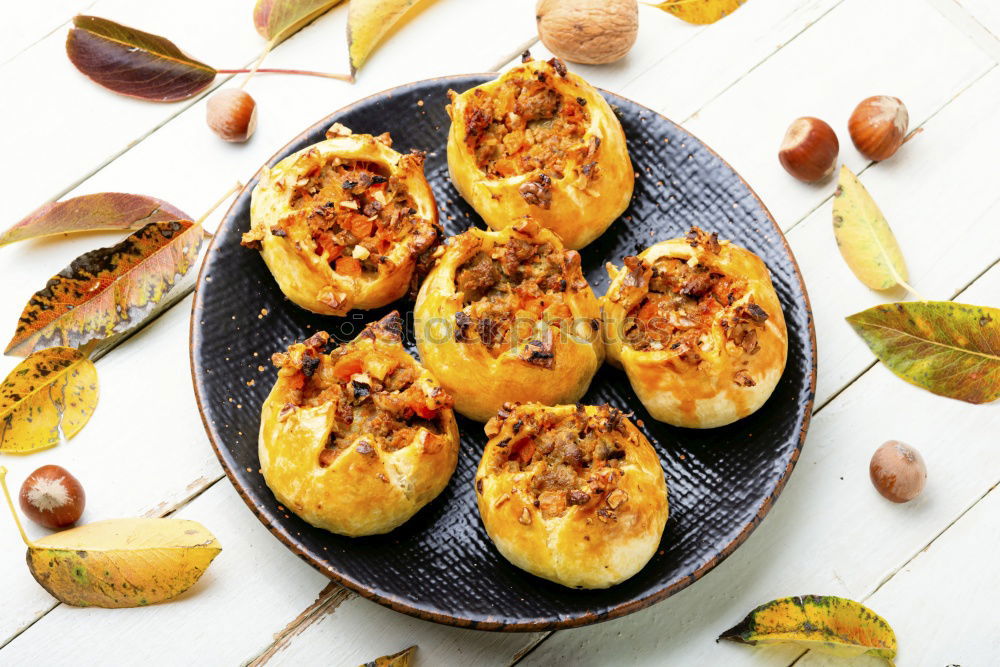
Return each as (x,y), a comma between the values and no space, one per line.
(379,401)
(681,304)
(507,291)
(575,458)
(526,124)
(356,212)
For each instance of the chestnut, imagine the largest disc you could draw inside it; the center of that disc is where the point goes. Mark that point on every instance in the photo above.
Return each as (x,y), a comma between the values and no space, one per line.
(878,126)
(52,497)
(809,149)
(232,114)
(898,471)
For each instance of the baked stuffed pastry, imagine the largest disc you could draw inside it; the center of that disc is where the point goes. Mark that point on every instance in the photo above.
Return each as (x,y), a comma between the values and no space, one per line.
(698,328)
(574,494)
(358,439)
(344,223)
(508,316)
(540,141)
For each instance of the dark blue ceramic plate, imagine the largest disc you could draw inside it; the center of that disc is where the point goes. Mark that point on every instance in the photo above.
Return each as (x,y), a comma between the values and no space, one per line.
(441,565)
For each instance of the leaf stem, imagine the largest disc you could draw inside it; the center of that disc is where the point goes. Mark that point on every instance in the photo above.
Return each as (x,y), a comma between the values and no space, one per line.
(229,192)
(256,65)
(303,72)
(10,504)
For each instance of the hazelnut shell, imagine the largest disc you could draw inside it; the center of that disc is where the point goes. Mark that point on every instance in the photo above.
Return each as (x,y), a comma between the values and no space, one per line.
(809,150)
(232,114)
(878,126)
(898,471)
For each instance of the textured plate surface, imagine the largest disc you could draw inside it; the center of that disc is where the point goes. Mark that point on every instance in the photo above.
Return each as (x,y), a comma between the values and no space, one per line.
(441,565)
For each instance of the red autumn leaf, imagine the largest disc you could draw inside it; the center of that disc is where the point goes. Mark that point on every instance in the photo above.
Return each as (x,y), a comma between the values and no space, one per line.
(135,63)
(101,211)
(276,20)
(108,290)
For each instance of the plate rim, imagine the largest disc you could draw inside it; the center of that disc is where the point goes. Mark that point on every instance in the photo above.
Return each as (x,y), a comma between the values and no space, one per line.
(403,606)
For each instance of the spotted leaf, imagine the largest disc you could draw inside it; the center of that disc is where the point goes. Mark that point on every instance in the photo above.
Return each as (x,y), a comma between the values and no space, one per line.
(824,623)
(948,348)
(700,11)
(48,396)
(103,210)
(403,658)
(108,290)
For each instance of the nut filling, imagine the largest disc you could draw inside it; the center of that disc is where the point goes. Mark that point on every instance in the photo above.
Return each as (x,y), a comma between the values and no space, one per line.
(378,402)
(525,125)
(573,459)
(355,212)
(683,299)
(512,293)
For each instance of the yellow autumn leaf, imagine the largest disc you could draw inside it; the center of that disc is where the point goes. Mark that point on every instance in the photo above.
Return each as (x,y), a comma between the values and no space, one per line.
(865,240)
(700,11)
(401,659)
(824,623)
(119,562)
(51,393)
(368,21)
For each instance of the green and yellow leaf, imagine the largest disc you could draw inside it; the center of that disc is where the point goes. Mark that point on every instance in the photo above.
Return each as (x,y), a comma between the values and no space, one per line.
(824,623)
(948,348)
(700,11)
(101,211)
(865,240)
(109,290)
(119,562)
(276,20)
(368,22)
(403,658)
(122,562)
(48,396)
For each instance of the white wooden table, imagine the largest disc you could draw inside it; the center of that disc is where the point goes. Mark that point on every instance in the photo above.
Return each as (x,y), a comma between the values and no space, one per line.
(929,567)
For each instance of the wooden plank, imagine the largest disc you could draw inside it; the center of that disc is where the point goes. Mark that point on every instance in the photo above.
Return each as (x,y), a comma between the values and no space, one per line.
(814,77)
(70,126)
(830,533)
(940,198)
(941,604)
(987,12)
(23,24)
(676,68)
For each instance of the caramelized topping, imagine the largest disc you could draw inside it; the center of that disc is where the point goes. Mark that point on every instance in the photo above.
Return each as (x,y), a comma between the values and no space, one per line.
(508,289)
(574,459)
(372,394)
(525,124)
(681,301)
(354,212)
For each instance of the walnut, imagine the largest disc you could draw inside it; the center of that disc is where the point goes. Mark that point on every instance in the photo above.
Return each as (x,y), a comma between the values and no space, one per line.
(591,32)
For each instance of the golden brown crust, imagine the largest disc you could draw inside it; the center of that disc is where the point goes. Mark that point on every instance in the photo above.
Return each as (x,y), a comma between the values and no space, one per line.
(356,440)
(574,494)
(540,141)
(508,316)
(698,328)
(343,223)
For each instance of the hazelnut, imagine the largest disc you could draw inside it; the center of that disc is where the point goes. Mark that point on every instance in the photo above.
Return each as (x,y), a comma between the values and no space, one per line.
(878,126)
(52,497)
(809,150)
(898,471)
(232,114)
(591,32)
